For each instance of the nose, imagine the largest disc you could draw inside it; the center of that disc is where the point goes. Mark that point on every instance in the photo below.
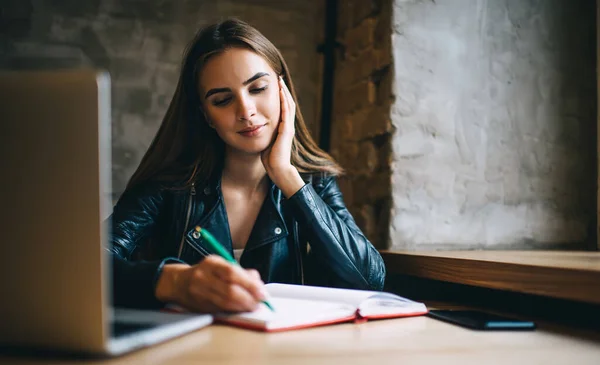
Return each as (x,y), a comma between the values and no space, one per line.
(246,108)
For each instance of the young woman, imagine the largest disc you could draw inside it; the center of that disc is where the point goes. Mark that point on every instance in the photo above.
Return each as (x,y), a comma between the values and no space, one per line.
(233,155)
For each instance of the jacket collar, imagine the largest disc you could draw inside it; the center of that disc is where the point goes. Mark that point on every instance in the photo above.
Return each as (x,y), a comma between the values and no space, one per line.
(269,225)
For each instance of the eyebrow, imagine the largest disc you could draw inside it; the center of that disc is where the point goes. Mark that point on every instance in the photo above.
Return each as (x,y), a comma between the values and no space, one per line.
(257,76)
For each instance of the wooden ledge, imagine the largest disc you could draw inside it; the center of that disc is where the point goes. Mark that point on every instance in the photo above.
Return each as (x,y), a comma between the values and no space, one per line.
(559,274)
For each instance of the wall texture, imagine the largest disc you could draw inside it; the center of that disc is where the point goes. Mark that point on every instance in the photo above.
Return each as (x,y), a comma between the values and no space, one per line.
(479,134)
(141,43)
(494,117)
(361,126)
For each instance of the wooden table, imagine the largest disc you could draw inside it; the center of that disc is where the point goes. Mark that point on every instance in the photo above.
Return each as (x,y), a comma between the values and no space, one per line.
(417,340)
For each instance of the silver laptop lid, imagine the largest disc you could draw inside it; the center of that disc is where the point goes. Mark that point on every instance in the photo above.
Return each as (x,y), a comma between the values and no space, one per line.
(55,148)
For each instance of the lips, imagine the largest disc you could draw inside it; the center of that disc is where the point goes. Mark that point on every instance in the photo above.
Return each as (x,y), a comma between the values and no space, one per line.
(252,131)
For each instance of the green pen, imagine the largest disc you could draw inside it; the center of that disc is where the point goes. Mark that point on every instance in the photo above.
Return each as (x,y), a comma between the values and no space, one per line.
(218,248)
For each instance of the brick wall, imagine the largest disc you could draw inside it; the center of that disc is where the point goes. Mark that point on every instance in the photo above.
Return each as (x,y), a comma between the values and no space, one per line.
(141,43)
(361,126)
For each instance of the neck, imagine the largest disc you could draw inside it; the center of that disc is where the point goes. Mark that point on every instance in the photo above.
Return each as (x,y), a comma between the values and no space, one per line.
(244,171)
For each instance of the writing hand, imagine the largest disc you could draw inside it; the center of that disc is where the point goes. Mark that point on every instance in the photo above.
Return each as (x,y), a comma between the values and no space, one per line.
(212,285)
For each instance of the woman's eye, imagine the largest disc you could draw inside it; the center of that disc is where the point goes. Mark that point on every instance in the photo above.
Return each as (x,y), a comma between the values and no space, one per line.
(258,90)
(221,102)
(225,101)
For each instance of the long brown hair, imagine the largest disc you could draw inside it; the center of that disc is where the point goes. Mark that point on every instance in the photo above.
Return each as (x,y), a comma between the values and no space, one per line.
(185,149)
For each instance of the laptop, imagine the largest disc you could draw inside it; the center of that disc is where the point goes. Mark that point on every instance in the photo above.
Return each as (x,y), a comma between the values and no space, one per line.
(55,192)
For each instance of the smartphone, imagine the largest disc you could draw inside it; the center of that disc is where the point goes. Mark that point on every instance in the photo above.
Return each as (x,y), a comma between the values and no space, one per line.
(480,320)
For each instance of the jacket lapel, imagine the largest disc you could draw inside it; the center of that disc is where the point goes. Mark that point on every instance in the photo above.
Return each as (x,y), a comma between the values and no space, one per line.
(269,225)
(214,221)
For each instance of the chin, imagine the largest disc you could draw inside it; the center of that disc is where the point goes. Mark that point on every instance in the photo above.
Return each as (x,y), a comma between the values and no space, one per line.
(252,148)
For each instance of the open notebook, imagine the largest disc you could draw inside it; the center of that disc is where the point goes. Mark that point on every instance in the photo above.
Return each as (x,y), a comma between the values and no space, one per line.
(298,306)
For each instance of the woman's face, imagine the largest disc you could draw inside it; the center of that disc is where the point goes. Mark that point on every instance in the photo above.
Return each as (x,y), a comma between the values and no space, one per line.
(239,92)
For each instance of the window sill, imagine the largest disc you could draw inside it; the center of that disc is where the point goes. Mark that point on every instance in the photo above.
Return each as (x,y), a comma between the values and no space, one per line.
(572,275)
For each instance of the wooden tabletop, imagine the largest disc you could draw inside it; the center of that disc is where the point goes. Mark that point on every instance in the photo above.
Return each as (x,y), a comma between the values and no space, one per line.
(573,275)
(571,260)
(417,340)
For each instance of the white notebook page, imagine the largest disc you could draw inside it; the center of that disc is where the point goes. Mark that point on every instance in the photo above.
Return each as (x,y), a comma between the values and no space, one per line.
(294,312)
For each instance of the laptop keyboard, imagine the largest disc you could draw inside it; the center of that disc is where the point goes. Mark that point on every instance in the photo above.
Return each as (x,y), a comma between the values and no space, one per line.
(122,329)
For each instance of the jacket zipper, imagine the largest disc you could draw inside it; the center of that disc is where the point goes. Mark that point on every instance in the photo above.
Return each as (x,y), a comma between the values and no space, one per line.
(187,219)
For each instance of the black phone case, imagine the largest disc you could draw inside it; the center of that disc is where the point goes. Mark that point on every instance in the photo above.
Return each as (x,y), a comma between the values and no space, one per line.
(481,320)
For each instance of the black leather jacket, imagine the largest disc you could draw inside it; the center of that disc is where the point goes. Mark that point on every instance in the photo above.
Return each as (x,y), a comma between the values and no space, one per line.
(310,238)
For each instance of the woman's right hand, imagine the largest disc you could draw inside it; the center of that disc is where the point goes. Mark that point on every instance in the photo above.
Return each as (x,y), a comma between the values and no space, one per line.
(210,286)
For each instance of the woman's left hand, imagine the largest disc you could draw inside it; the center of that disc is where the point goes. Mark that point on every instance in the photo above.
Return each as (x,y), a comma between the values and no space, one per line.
(277,158)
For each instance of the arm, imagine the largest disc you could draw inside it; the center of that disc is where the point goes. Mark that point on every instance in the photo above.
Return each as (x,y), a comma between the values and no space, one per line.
(336,241)
(133,220)
(209,286)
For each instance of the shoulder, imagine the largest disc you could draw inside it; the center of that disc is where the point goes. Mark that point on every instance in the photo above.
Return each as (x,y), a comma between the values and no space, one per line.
(148,192)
